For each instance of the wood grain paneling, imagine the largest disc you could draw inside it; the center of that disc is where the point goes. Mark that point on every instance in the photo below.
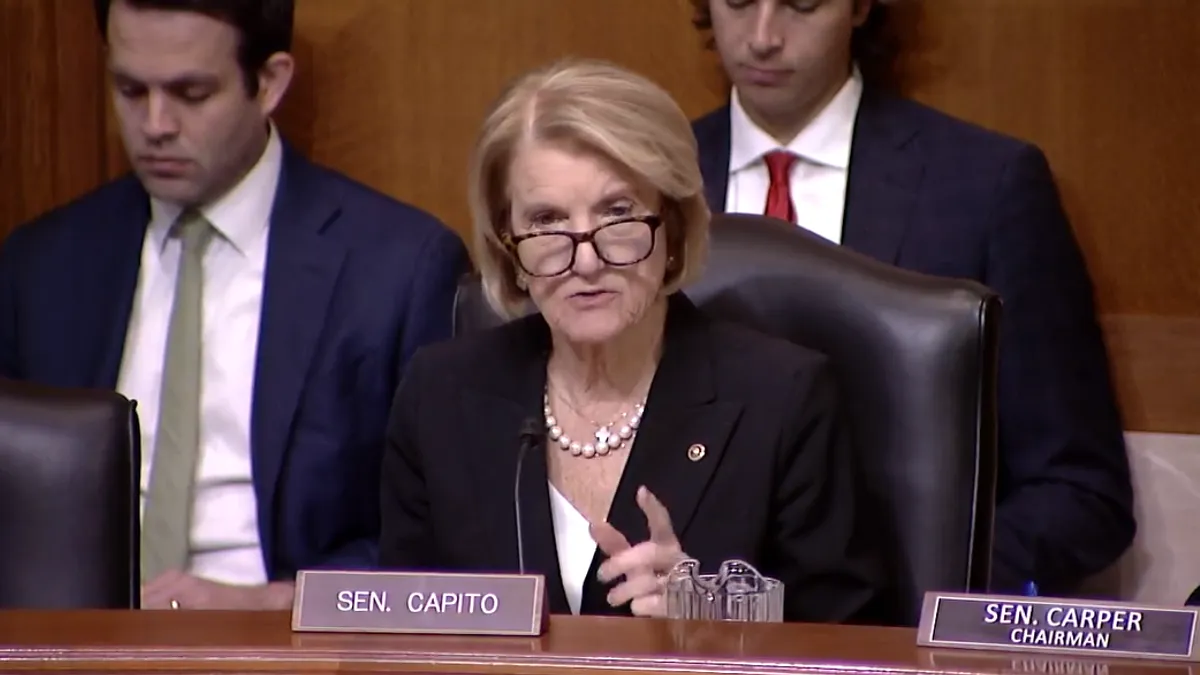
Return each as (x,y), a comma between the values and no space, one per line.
(392,92)
(51,106)
(1156,369)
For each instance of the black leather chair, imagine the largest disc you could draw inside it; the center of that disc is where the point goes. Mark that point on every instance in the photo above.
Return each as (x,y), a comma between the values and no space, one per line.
(916,359)
(69,499)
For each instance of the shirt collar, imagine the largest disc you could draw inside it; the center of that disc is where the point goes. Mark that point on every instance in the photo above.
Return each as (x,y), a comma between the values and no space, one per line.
(240,215)
(826,140)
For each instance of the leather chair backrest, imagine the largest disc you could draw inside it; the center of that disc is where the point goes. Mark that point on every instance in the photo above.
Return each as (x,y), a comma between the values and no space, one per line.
(69,499)
(916,360)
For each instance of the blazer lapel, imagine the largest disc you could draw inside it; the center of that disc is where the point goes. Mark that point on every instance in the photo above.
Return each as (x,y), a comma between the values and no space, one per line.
(713,139)
(682,411)
(105,282)
(301,272)
(885,178)
(508,402)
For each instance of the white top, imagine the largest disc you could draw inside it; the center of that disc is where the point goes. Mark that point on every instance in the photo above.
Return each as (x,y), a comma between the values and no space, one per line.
(573,538)
(818,177)
(224,534)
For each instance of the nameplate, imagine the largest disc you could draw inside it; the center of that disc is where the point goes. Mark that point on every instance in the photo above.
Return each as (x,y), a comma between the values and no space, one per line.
(418,602)
(1014,623)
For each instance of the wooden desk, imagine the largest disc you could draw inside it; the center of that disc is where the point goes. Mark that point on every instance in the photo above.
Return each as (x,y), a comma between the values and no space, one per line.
(256,642)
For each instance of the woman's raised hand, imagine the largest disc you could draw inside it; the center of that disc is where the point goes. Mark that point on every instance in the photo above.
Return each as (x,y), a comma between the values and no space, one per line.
(645,565)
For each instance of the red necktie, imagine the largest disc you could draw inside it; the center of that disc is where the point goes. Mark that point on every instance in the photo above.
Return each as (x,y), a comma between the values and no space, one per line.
(779,195)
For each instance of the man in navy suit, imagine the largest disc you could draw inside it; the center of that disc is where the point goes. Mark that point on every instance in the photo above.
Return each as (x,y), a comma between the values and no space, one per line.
(292,294)
(809,137)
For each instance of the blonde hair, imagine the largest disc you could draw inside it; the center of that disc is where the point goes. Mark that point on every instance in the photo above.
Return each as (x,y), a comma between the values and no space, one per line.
(601,108)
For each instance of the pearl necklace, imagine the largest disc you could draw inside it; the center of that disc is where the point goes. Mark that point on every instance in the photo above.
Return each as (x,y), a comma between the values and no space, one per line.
(607,439)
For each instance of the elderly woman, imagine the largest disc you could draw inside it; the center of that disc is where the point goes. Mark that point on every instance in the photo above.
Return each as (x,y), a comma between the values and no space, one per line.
(659,433)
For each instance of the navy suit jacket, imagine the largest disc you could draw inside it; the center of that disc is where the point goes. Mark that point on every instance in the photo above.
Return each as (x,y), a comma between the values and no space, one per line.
(355,282)
(930,193)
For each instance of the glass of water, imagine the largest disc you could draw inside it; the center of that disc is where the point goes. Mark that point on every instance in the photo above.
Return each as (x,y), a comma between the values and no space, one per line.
(737,592)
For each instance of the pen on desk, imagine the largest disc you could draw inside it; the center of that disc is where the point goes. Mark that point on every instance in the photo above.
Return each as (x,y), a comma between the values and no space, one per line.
(1031,589)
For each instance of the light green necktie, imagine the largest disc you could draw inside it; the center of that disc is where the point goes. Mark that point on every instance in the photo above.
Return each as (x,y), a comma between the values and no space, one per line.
(166,521)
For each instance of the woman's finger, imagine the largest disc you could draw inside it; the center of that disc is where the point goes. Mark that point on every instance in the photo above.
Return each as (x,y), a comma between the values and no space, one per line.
(658,518)
(608,539)
(635,586)
(640,558)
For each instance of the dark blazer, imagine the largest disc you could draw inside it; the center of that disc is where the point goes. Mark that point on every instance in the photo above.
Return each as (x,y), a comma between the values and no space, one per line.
(355,283)
(774,487)
(930,193)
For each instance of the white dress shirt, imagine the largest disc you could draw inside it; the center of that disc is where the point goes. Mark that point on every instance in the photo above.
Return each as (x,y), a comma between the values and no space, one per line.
(818,177)
(224,530)
(573,539)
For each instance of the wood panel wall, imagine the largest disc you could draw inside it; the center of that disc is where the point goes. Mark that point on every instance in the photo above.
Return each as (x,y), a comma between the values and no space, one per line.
(392,91)
(51,106)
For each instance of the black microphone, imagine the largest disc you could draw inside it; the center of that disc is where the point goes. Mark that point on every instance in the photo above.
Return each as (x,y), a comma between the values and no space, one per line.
(531,436)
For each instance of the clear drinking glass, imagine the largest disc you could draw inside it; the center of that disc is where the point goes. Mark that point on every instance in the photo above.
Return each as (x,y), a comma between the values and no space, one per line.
(737,592)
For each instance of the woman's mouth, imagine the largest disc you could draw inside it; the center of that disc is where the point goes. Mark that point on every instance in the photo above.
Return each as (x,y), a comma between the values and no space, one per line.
(591,298)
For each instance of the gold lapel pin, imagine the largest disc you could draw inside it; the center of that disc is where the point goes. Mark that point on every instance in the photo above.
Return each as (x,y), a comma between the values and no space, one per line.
(696,452)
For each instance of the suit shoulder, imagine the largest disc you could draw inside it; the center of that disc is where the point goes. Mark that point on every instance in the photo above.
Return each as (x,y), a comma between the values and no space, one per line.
(711,121)
(953,132)
(371,213)
(65,223)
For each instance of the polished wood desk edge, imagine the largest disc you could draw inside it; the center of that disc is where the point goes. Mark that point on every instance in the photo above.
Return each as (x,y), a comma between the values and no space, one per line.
(255,642)
(431,661)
